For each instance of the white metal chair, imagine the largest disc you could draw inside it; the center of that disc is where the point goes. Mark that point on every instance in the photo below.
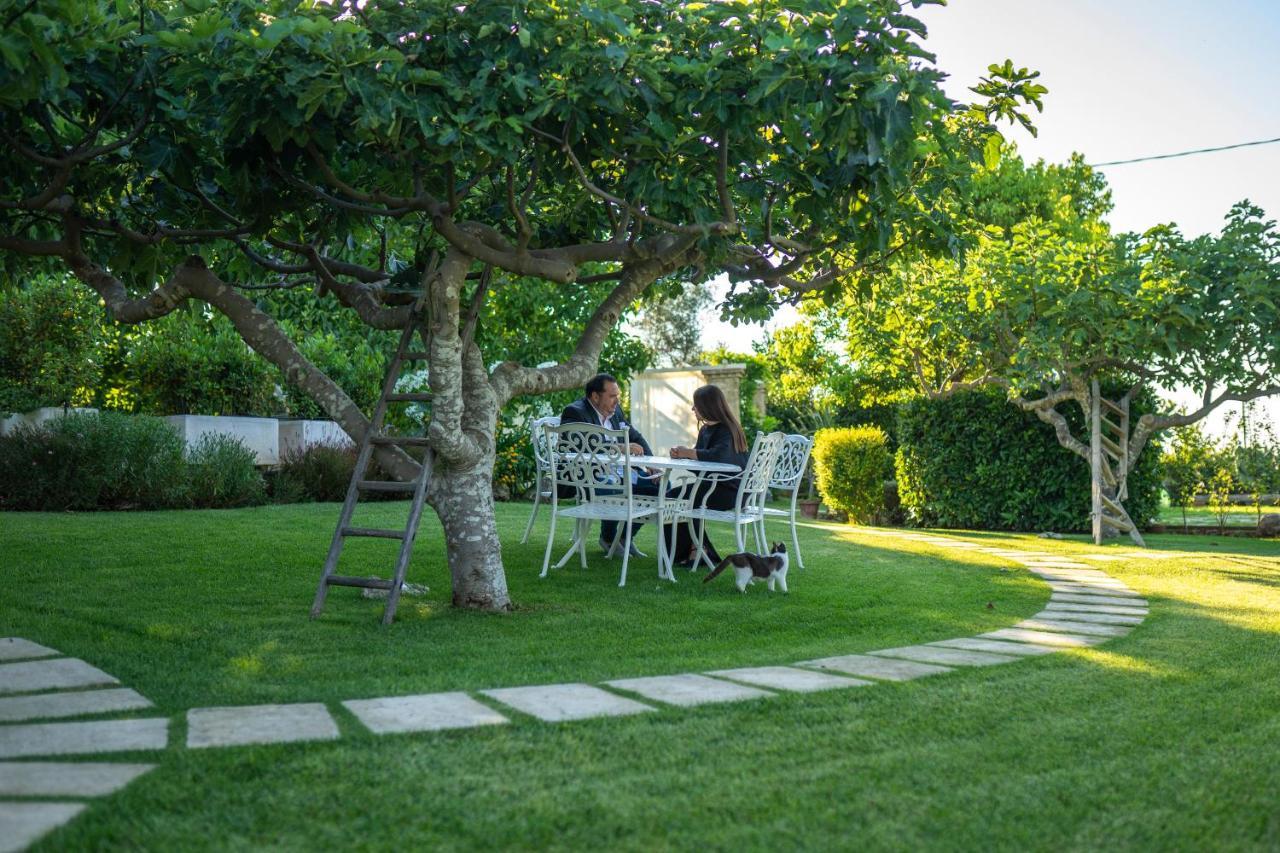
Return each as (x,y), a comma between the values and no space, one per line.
(594,463)
(748,507)
(542,487)
(788,474)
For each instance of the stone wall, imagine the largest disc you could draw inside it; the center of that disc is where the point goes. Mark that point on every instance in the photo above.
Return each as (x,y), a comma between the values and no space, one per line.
(662,401)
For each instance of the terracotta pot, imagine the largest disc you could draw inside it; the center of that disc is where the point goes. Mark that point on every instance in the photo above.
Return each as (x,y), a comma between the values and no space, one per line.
(809,509)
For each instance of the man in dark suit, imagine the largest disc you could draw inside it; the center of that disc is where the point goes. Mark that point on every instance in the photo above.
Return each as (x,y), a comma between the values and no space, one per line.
(599,407)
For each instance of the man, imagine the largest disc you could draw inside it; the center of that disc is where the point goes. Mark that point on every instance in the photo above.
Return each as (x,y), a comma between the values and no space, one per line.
(599,406)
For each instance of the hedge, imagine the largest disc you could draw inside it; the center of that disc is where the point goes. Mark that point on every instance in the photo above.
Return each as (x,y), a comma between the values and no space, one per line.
(850,464)
(976,461)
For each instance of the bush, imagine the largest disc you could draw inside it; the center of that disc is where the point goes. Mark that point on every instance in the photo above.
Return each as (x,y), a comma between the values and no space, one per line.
(187,363)
(356,364)
(50,332)
(974,460)
(851,464)
(92,461)
(319,472)
(221,474)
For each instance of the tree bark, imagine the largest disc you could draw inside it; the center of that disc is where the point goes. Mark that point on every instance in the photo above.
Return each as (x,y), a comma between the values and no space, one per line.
(463,499)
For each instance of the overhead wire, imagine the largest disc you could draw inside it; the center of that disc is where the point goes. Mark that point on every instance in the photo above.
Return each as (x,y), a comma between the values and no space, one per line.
(1184,153)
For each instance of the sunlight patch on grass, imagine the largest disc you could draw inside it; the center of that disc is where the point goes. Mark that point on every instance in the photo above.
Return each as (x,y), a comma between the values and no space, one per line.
(1128,663)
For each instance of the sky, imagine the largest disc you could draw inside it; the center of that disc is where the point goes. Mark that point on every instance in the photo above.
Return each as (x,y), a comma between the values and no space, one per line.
(1126,78)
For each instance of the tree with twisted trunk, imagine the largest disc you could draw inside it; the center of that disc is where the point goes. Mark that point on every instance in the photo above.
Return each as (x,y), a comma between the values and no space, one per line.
(375,150)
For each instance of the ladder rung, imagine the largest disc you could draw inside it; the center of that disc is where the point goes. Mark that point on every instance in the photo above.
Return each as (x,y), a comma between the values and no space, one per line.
(415,356)
(411,440)
(1114,427)
(1112,406)
(1111,447)
(373,531)
(385,486)
(1117,523)
(422,397)
(367,583)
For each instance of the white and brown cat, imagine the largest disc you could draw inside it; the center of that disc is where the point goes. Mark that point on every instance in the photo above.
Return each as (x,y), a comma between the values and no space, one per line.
(753,567)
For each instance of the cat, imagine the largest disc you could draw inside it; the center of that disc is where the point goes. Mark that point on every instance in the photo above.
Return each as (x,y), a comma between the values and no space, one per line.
(753,567)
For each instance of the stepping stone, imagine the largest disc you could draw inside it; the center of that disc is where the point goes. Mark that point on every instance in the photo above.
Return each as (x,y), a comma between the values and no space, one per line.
(1104,557)
(21,824)
(1058,564)
(1078,598)
(978,644)
(1099,618)
(16,648)
(1091,589)
(688,689)
(1076,577)
(425,713)
(50,675)
(1043,638)
(66,779)
(946,657)
(1073,627)
(886,669)
(789,678)
(75,738)
(1096,608)
(251,724)
(555,703)
(46,705)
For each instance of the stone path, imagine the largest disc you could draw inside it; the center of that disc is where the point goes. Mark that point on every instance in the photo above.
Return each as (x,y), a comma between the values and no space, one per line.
(38,684)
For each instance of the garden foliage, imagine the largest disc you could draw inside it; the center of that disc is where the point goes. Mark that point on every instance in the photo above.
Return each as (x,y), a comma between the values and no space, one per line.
(851,464)
(973,460)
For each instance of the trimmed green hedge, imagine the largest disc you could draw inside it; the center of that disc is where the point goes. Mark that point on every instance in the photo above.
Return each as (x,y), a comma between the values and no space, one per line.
(974,460)
(850,464)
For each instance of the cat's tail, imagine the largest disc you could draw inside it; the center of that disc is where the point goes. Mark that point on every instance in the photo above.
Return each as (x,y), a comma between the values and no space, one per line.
(717,570)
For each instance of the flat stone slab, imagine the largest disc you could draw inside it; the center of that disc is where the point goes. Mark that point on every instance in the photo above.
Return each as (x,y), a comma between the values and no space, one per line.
(21,824)
(1096,608)
(1097,618)
(1043,638)
(1092,589)
(83,738)
(556,703)
(789,678)
(885,669)
(66,779)
(38,706)
(52,674)
(944,656)
(1073,627)
(978,644)
(424,713)
(252,724)
(688,689)
(1118,601)
(16,648)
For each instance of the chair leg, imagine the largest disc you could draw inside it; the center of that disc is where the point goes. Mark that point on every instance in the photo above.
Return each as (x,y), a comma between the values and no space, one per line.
(551,536)
(537,499)
(584,530)
(626,554)
(795,538)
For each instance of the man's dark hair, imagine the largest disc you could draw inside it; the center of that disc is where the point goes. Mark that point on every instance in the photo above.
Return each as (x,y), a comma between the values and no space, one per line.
(595,384)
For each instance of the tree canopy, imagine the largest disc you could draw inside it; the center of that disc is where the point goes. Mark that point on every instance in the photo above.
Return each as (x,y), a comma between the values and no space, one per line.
(374,150)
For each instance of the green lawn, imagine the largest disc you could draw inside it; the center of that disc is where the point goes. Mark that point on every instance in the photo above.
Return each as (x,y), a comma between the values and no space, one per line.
(1164,738)
(1202,516)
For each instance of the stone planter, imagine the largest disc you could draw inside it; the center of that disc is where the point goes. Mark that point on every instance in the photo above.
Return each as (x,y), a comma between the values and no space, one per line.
(808,508)
(261,435)
(37,417)
(297,436)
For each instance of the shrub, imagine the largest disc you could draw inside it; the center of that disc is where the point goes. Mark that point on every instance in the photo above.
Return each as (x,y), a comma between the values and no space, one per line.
(187,363)
(318,472)
(974,460)
(221,474)
(50,331)
(93,461)
(851,464)
(514,468)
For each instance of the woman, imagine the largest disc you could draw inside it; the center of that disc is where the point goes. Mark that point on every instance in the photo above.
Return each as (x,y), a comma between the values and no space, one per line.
(720,439)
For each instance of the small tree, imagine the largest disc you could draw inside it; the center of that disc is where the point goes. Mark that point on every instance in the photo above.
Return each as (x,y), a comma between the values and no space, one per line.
(1220,496)
(1187,467)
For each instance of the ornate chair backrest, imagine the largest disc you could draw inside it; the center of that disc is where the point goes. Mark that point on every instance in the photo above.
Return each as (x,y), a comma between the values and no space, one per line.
(753,489)
(541,452)
(586,457)
(792,460)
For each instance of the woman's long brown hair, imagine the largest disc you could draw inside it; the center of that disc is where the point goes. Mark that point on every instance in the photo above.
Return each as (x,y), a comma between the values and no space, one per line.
(710,405)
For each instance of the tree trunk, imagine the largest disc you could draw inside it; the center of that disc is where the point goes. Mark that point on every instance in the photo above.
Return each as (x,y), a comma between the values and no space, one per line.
(463,499)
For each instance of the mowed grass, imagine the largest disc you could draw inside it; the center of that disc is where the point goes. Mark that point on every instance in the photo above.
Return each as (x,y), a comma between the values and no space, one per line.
(1165,738)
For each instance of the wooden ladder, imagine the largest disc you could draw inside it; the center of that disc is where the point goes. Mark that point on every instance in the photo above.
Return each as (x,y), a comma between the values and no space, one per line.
(374,437)
(1113,450)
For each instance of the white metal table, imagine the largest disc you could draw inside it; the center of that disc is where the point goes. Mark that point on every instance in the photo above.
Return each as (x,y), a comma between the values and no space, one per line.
(667,504)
